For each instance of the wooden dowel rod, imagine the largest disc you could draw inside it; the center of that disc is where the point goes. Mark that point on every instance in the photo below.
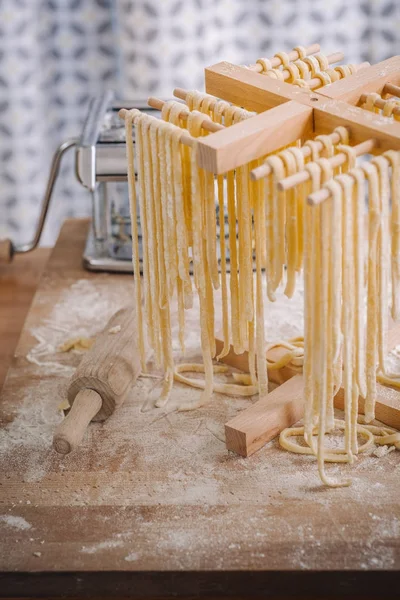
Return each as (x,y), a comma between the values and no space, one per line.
(181,93)
(392,90)
(380,103)
(315,83)
(336,161)
(312,83)
(331,58)
(265,170)
(292,55)
(207,123)
(186,138)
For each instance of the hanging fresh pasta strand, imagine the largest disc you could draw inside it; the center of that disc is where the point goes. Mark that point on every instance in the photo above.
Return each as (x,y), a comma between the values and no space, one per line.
(233,255)
(324,324)
(311,295)
(358,237)
(246,225)
(383,255)
(270,245)
(372,290)
(154,145)
(394,159)
(149,202)
(218,115)
(278,172)
(291,234)
(170,215)
(348,309)
(259,219)
(135,243)
(144,229)
(167,283)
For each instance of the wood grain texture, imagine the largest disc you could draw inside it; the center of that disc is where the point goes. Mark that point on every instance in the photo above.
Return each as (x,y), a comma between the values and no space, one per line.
(18,283)
(250,90)
(6,251)
(255,426)
(153,506)
(371,79)
(255,137)
(265,419)
(363,124)
(284,117)
(111,366)
(241,362)
(69,434)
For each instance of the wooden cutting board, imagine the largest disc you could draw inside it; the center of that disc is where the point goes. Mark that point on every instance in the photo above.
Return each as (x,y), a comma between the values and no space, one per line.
(153,504)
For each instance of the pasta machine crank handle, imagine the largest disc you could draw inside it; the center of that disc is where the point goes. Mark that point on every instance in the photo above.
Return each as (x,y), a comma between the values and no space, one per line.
(7,248)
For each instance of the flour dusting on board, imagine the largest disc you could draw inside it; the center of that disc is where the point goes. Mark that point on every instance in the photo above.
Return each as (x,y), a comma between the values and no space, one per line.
(82,311)
(176,463)
(16,522)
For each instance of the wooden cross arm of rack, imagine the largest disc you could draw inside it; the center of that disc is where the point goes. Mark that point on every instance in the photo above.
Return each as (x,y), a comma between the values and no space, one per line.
(288,113)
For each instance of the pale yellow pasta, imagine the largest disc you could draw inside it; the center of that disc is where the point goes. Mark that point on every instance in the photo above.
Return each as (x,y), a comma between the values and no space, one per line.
(278,172)
(311,282)
(383,254)
(135,243)
(259,214)
(149,203)
(372,293)
(145,232)
(291,230)
(348,308)
(218,113)
(231,389)
(358,237)
(394,158)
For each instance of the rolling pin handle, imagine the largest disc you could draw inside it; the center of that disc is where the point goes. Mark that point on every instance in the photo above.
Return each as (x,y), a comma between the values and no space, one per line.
(70,432)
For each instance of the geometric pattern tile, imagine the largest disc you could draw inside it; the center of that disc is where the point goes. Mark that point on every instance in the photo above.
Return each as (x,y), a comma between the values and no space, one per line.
(55,54)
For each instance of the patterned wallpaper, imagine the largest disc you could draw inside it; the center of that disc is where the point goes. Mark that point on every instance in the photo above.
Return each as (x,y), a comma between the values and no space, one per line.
(55,54)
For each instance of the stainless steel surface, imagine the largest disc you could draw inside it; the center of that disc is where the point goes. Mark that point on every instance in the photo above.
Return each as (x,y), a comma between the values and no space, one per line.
(111,161)
(101,212)
(86,151)
(54,170)
(97,257)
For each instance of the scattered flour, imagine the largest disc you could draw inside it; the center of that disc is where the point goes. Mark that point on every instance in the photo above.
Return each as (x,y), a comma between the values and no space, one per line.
(15,522)
(106,545)
(381,451)
(132,557)
(170,465)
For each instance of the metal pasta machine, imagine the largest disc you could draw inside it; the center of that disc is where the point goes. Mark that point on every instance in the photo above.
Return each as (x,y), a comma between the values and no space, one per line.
(100,166)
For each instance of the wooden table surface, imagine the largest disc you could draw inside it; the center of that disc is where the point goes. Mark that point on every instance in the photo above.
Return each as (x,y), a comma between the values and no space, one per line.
(18,283)
(152,505)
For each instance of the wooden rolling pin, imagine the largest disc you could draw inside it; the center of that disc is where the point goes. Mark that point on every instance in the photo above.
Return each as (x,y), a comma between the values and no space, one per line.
(102,380)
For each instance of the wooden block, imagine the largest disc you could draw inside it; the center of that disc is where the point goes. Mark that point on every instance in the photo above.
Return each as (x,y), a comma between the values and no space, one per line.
(241,362)
(371,79)
(387,407)
(255,137)
(254,427)
(363,124)
(249,89)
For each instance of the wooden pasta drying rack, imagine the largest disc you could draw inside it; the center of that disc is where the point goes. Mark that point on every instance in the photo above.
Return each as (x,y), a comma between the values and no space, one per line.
(287,113)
